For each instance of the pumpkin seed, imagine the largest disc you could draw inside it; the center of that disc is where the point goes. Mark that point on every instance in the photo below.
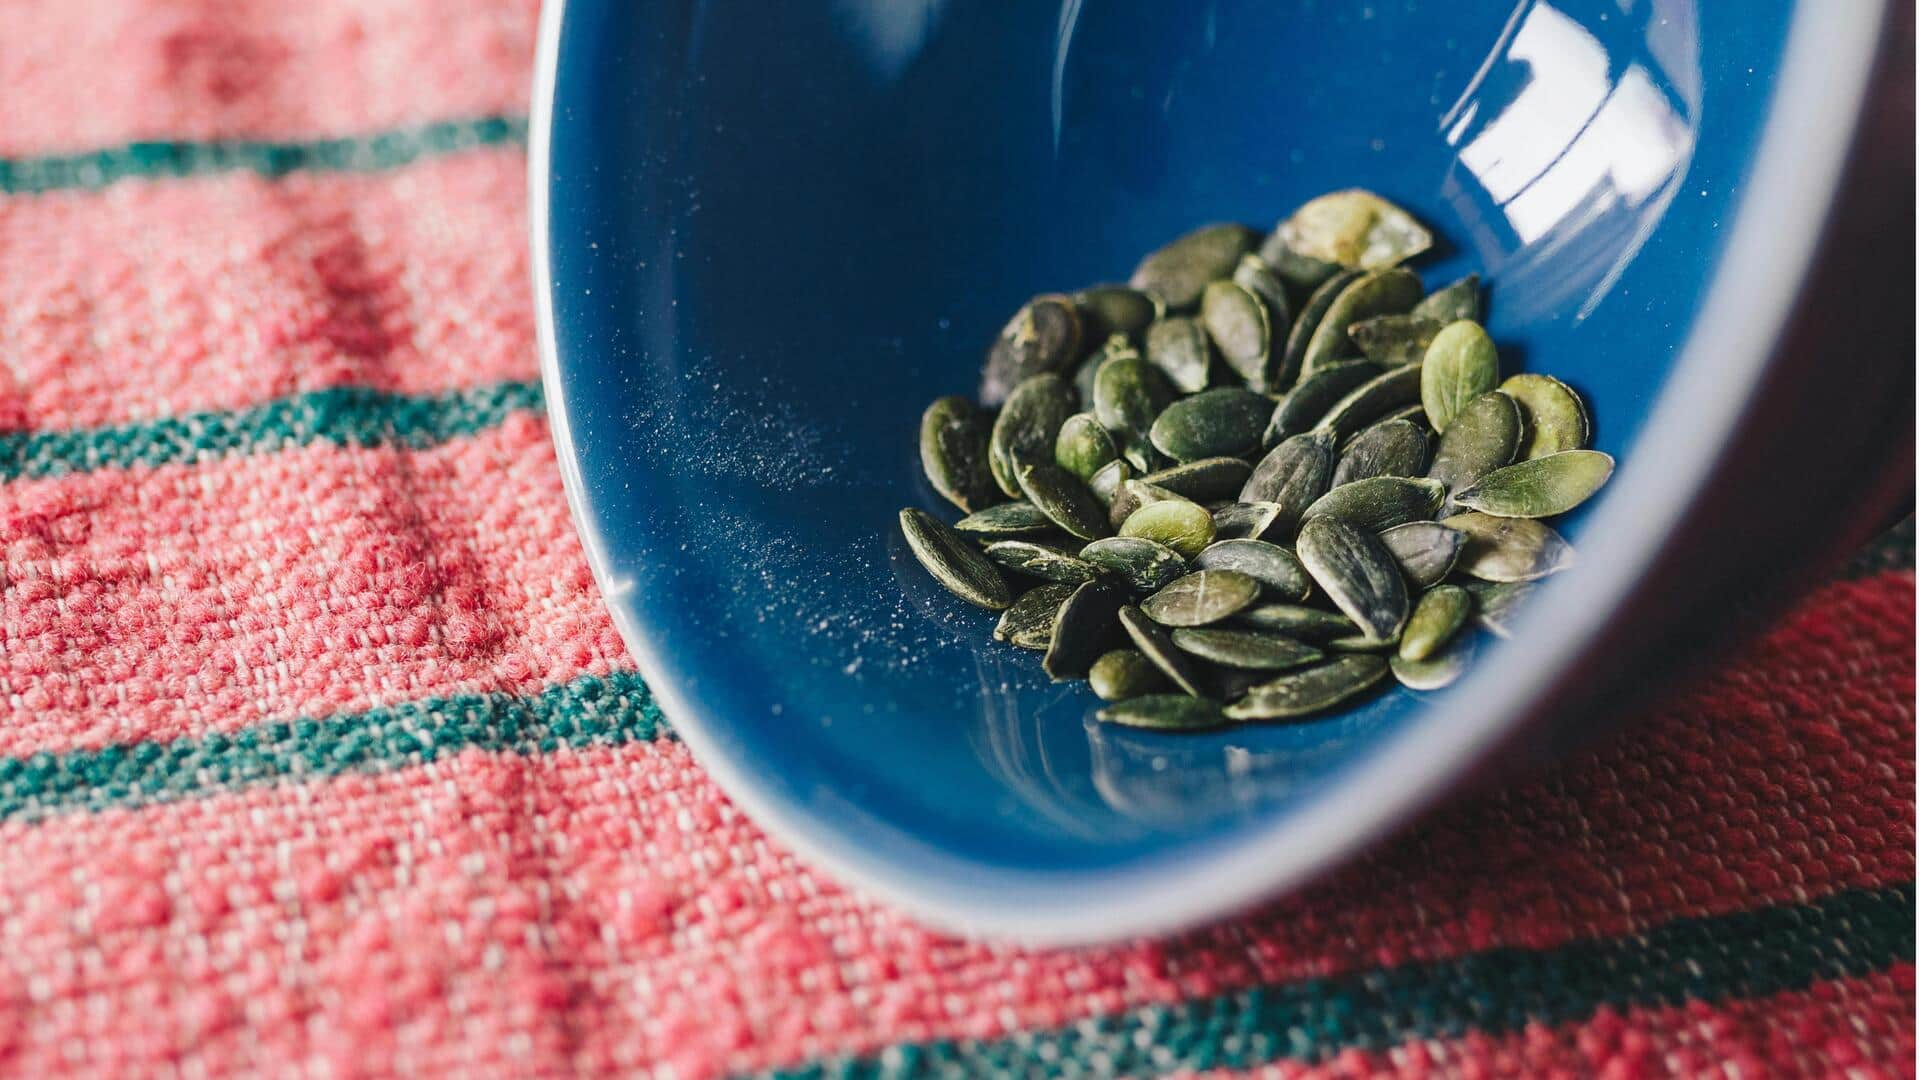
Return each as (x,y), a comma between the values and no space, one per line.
(1301,273)
(1042,338)
(1382,292)
(1083,447)
(1541,487)
(1312,313)
(1435,620)
(1247,649)
(1028,424)
(953,562)
(1393,389)
(1178,272)
(1460,365)
(1388,448)
(1361,643)
(1509,549)
(1380,502)
(1555,417)
(1106,310)
(1292,476)
(1133,495)
(1257,276)
(1482,438)
(1240,327)
(1028,622)
(1164,712)
(1120,674)
(1084,628)
(1296,621)
(1089,369)
(1310,399)
(1425,550)
(1355,228)
(1309,690)
(1204,480)
(1065,500)
(1436,672)
(1244,521)
(1157,645)
(1495,604)
(1144,565)
(1178,347)
(1202,597)
(953,452)
(1356,571)
(1223,422)
(1106,480)
(1273,566)
(1394,340)
(1128,393)
(1006,521)
(1184,526)
(1043,561)
(1459,300)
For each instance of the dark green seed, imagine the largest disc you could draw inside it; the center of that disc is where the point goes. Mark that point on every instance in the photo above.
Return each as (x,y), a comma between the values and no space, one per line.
(1509,549)
(1028,623)
(1356,571)
(1308,401)
(1436,672)
(1394,340)
(1042,338)
(1115,309)
(1460,300)
(1126,673)
(1273,566)
(1043,561)
(1460,365)
(1083,447)
(1132,495)
(1439,615)
(1312,313)
(1164,712)
(1365,404)
(1065,500)
(1223,422)
(1238,323)
(1178,347)
(1202,597)
(1184,526)
(1554,416)
(1205,480)
(1355,228)
(1496,604)
(1247,649)
(1028,424)
(1006,521)
(1295,621)
(1143,565)
(1541,487)
(1388,448)
(1085,627)
(1382,292)
(1292,476)
(953,452)
(1157,645)
(1308,690)
(1128,393)
(1089,369)
(1177,273)
(1244,521)
(1257,276)
(1105,482)
(1301,273)
(1426,550)
(1380,502)
(953,562)
(1483,437)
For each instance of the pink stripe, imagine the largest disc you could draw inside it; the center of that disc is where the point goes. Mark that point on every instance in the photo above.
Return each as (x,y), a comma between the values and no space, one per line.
(155,299)
(155,603)
(83,75)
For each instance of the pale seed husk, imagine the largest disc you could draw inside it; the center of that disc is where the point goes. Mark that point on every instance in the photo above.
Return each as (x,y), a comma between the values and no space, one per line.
(1301,273)
(1298,622)
(1184,526)
(1247,649)
(1106,480)
(1065,500)
(1483,437)
(1460,365)
(1043,561)
(1222,422)
(1427,551)
(1438,671)
(1202,597)
(1106,310)
(1028,424)
(953,452)
(1388,448)
(1456,301)
(1310,399)
(1356,571)
(1205,480)
(1237,322)
(1395,388)
(1143,565)
(1244,521)
(1164,712)
(1006,521)
(1354,228)
(1541,487)
(1043,337)
(1128,393)
(954,563)
(1178,272)
(1394,340)
(1435,620)
(1028,622)
(1381,292)
(1495,604)
(1131,496)
(1292,476)
(1380,502)
(1308,690)
(1274,567)
(1257,276)
(1120,674)
(1178,347)
(1509,549)
(1555,418)
(1083,447)
(1309,319)
(1085,626)
(1157,645)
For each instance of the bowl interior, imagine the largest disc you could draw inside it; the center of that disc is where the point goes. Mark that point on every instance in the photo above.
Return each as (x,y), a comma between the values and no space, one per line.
(775,231)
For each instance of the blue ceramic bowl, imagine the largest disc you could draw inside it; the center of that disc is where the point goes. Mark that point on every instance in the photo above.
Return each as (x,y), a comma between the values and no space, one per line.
(767,234)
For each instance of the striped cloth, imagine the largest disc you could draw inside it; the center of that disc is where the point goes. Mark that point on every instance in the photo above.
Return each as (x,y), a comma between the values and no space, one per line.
(319,755)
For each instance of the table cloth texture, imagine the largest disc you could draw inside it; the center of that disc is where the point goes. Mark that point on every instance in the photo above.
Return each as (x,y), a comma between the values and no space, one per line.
(320,756)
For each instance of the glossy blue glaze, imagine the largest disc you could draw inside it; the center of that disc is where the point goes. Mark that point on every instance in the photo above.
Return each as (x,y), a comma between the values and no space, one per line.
(775,231)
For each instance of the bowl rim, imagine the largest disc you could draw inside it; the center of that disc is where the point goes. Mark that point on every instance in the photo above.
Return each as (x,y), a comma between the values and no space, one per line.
(1799,163)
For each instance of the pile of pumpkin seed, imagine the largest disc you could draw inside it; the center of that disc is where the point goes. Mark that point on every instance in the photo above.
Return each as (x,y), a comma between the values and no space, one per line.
(1258,478)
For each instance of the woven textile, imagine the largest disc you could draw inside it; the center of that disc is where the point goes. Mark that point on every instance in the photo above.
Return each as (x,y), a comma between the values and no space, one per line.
(319,755)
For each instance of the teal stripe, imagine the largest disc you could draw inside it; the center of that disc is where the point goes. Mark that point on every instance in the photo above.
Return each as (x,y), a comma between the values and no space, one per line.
(1744,956)
(343,416)
(371,152)
(588,711)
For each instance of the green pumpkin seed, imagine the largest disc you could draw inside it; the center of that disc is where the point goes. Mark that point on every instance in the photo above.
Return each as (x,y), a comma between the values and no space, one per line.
(953,562)
(1240,327)
(1435,620)
(1164,712)
(1388,448)
(1460,365)
(1541,487)
(1202,597)
(1177,273)
(1133,495)
(1106,310)
(1089,369)
(1043,561)
(1292,476)
(1436,672)
(1143,565)
(1042,338)
(1312,313)
(1380,502)
(1083,447)
(1273,566)
(1223,422)
(1248,649)
(1205,480)
(953,452)
(1184,526)
(1295,621)
(1355,228)
(1361,643)
(1028,623)
(1555,417)
(1310,399)
(1006,521)
(1483,437)
(1085,627)
(1157,645)
(1028,424)
(1065,500)
(1178,347)
(1460,300)
(1509,549)
(1126,673)
(1382,292)
(1495,604)
(1244,521)
(1426,550)
(1128,393)
(1396,388)
(1301,273)
(1394,340)
(1309,690)
(1106,480)
(1257,276)
(1356,571)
